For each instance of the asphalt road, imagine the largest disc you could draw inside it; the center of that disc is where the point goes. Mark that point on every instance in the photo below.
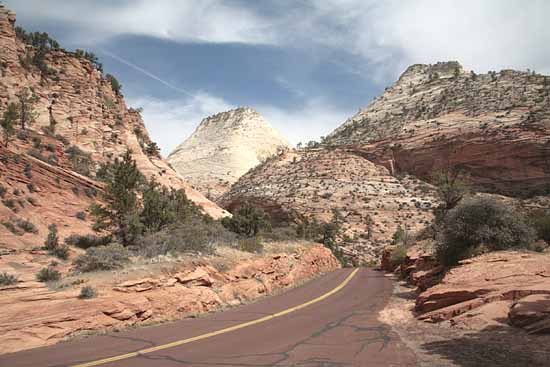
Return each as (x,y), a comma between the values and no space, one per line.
(338,329)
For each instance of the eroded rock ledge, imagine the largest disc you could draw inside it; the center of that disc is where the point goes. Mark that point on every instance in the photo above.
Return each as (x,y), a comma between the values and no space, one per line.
(492,290)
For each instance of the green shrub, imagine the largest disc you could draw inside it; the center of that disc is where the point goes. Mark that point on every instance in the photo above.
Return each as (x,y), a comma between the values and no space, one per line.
(28,170)
(481,221)
(61,252)
(247,221)
(87,292)
(52,244)
(398,256)
(452,187)
(10,203)
(281,233)
(115,85)
(81,215)
(7,279)
(90,192)
(81,161)
(23,135)
(193,236)
(36,142)
(538,246)
(31,187)
(48,274)
(110,257)
(52,240)
(51,147)
(62,139)
(26,226)
(87,241)
(541,222)
(400,236)
(3,191)
(10,227)
(253,245)
(32,201)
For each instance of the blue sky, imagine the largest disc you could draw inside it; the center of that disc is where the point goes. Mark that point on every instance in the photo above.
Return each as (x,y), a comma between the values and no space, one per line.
(306,65)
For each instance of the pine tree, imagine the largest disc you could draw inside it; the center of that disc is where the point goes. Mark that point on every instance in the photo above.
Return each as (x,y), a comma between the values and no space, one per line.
(25,104)
(8,122)
(120,213)
(248,221)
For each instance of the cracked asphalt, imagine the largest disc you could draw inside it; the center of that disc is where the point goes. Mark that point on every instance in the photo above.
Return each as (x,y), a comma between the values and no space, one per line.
(341,330)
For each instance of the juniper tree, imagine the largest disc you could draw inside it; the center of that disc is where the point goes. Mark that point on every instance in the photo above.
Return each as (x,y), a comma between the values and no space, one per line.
(7,122)
(120,213)
(452,186)
(26,101)
(248,221)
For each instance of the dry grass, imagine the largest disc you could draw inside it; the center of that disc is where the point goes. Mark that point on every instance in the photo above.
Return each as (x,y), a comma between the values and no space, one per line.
(224,258)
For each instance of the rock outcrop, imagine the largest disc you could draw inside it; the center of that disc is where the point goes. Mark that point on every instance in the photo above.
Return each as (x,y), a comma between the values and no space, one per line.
(314,183)
(495,289)
(78,105)
(494,126)
(223,148)
(181,290)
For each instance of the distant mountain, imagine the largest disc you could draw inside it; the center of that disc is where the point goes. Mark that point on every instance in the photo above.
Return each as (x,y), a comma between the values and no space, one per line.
(223,148)
(495,127)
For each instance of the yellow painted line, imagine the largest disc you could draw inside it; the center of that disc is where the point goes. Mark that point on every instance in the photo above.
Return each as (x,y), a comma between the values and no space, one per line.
(222,331)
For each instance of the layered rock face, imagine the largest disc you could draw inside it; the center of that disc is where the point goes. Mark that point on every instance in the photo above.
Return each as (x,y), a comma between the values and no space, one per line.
(495,126)
(313,183)
(78,102)
(223,148)
(493,288)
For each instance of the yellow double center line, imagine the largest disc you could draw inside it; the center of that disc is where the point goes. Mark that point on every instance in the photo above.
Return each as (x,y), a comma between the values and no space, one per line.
(222,331)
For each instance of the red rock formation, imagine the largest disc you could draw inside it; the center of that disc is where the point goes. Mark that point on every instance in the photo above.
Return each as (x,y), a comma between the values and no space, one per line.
(495,126)
(489,290)
(313,183)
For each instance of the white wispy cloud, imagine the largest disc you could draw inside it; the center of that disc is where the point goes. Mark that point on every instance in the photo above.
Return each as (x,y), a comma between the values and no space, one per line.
(392,34)
(146,73)
(389,35)
(177,20)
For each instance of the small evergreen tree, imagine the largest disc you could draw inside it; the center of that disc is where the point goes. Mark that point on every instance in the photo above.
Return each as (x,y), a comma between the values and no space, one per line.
(452,187)
(152,150)
(248,221)
(8,122)
(114,83)
(120,212)
(156,211)
(52,240)
(26,101)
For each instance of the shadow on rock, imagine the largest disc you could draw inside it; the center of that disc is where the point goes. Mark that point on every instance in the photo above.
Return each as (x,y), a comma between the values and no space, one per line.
(498,346)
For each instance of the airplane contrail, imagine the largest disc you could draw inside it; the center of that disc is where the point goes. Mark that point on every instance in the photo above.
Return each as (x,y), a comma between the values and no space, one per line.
(143,71)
